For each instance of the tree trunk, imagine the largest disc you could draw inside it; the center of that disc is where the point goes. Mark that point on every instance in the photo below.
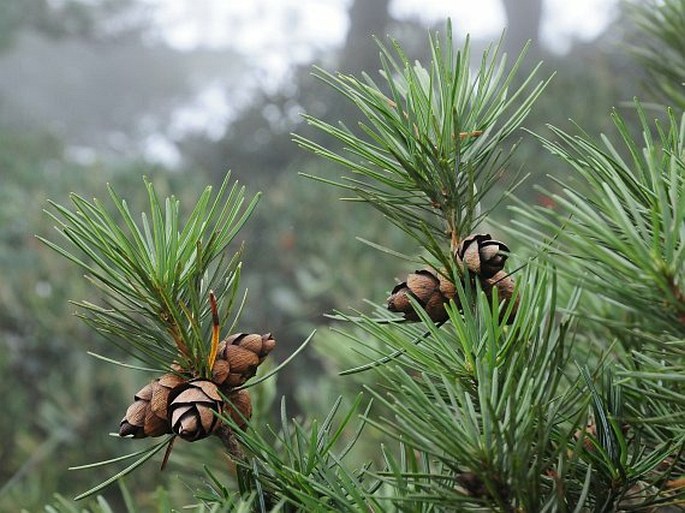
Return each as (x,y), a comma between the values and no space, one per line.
(367,18)
(523,23)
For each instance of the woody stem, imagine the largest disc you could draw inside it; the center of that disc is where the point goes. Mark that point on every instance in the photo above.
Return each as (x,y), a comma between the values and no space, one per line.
(453,232)
(227,437)
(235,451)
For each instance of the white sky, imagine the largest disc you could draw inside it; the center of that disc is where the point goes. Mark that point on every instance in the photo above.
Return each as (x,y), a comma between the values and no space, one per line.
(292,28)
(279,33)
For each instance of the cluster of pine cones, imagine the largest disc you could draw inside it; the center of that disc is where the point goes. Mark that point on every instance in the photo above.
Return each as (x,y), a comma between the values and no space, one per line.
(188,406)
(478,256)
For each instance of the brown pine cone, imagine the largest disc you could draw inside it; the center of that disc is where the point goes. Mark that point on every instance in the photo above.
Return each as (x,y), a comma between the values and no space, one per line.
(427,286)
(261,345)
(474,485)
(481,255)
(238,357)
(239,407)
(505,290)
(147,416)
(192,409)
(234,365)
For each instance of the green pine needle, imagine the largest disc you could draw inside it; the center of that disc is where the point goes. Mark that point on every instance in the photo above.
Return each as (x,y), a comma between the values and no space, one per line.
(430,147)
(624,236)
(146,455)
(154,276)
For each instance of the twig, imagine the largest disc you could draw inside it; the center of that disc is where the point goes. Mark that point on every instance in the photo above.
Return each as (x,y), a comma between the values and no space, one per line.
(227,437)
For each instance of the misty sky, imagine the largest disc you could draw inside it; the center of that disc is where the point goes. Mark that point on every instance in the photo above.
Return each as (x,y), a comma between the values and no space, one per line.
(245,47)
(283,31)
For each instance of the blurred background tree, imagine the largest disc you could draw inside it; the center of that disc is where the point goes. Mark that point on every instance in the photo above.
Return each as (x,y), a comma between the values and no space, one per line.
(94,92)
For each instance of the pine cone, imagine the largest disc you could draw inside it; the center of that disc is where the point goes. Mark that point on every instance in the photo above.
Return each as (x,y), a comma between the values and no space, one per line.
(192,409)
(427,286)
(261,345)
(474,485)
(505,290)
(239,407)
(147,416)
(238,357)
(481,255)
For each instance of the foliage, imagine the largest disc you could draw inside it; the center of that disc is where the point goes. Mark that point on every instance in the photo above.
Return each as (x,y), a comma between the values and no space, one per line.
(661,49)
(618,234)
(162,503)
(624,234)
(43,345)
(591,443)
(470,404)
(156,277)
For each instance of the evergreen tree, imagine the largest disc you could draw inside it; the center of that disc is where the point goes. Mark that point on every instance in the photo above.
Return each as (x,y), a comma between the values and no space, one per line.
(552,385)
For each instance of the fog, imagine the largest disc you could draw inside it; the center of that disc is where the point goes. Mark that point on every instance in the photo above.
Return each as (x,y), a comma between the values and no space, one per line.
(137,77)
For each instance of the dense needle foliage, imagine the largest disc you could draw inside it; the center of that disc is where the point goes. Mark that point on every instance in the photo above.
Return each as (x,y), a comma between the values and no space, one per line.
(568,397)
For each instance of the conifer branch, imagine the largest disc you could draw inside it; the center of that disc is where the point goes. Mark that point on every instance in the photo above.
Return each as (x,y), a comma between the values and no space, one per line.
(156,275)
(430,147)
(624,236)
